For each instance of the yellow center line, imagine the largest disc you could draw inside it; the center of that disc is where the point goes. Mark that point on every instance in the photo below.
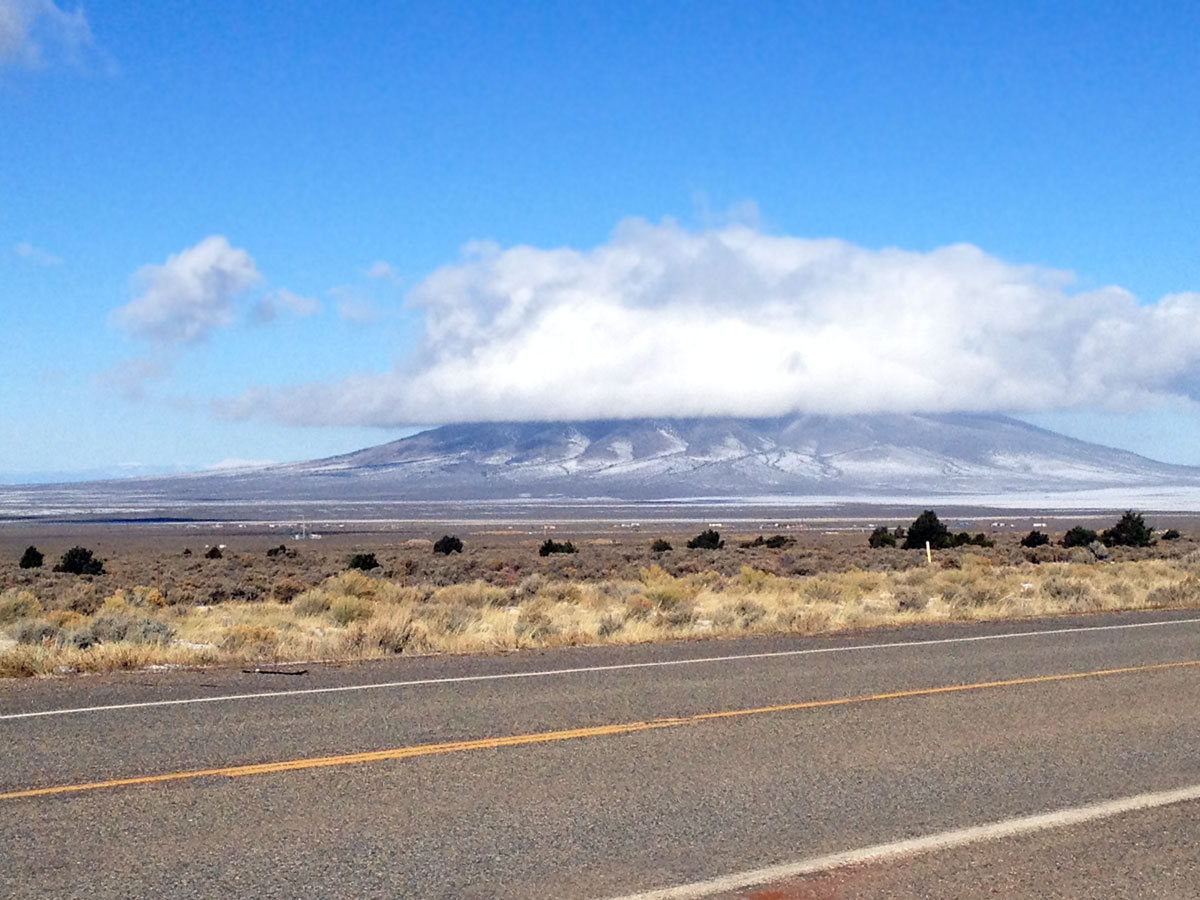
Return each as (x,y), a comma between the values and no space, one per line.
(572,734)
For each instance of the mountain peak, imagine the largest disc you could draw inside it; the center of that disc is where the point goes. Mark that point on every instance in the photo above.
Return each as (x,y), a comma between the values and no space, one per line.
(714,457)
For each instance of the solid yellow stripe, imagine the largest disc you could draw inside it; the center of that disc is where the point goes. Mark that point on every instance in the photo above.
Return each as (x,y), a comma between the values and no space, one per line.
(544,737)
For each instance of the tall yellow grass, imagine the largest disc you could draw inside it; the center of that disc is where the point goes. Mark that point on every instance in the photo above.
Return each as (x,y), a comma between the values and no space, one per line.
(355,616)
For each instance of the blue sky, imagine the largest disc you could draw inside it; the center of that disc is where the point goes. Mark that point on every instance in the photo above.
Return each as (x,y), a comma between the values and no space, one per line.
(269,232)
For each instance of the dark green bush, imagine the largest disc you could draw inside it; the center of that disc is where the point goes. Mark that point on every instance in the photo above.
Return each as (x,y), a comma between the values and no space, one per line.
(213,553)
(1130,531)
(364,561)
(1035,539)
(927,527)
(448,544)
(1171,534)
(964,539)
(550,546)
(775,542)
(881,537)
(1079,537)
(80,561)
(706,540)
(660,546)
(32,559)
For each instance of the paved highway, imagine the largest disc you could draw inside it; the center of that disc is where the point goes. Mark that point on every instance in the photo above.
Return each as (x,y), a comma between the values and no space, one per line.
(616,772)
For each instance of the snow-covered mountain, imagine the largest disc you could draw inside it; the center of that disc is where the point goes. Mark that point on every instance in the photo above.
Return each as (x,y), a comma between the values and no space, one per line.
(674,458)
(859,457)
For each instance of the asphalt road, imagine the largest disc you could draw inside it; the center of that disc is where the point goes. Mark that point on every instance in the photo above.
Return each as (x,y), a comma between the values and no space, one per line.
(490,778)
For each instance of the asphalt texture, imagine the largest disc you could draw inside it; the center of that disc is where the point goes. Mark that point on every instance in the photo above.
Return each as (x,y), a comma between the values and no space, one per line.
(612,814)
(1147,855)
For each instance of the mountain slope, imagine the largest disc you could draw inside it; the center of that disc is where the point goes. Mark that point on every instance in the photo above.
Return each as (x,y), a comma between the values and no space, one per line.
(660,458)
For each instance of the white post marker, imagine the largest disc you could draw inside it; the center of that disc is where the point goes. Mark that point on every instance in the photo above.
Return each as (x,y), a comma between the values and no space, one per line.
(928,553)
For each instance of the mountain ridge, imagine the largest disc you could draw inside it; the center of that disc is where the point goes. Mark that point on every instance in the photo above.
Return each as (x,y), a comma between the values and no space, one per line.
(806,454)
(788,458)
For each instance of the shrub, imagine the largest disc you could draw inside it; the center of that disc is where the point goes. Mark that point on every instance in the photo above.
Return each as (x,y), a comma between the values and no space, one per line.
(33,631)
(749,612)
(16,605)
(213,553)
(1035,539)
(110,628)
(282,550)
(448,544)
(149,631)
(550,546)
(364,561)
(345,610)
(286,591)
(1171,534)
(775,542)
(258,638)
(474,594)
(1072,592)
(1130,531)
(1182,593)
(660,546)
(927,527)
(395,634)
(909,598)
(533,625)
(83,599)
(32,559)
(80,561)
(963,539)
(312,602)
(706,540)
(78,639)
(881,537)
(1079,537)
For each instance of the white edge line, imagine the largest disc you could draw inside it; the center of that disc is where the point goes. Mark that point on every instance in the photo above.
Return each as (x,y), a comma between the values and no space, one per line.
(945,840)
(544,673)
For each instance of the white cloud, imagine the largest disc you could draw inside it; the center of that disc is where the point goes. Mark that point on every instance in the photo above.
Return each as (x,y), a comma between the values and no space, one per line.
(271,305)
(381,271)
(30,30)
(190,295)
(661,321)
(36,255)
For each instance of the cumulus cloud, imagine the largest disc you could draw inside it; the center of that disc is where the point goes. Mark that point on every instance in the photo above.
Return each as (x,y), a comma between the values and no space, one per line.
(31,30)
(663,321)
(190,295)
(270,306)
(36,255)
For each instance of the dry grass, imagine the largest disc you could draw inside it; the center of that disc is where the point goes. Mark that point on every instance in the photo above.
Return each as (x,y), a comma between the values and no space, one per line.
(353,615)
